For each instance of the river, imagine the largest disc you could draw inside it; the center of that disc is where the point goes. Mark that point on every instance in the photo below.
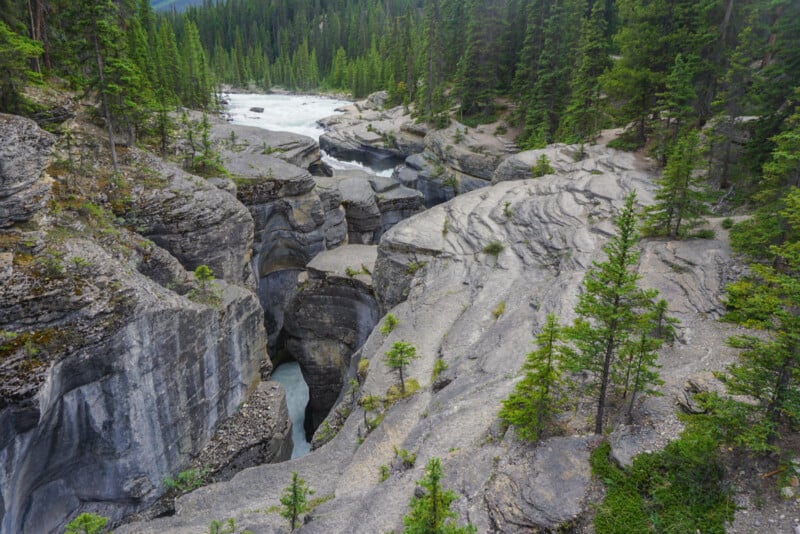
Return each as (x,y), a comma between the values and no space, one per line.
(297,114)
(291,113)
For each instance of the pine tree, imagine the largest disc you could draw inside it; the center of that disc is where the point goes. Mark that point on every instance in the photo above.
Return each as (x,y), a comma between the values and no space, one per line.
(477,81)
(294,501)
(608,310)
(540,394)
(16,52)
(430,513)
(676,105)
(637,367)
(768,367)
(399,357)
(583,116)
(681,198)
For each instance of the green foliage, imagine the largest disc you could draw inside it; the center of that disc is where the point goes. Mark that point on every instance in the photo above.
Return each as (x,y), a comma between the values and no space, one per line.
(498,311)
(430,513)
(494,248)
(406,459)
(369,403)
(438,368)
(16,53)
(399,357)
(383,473)
(613,322)
(727,223)
(227,527)
(363,370)
(294,501)
(680,489)
(390,322)
(768,367)
(86,524)
(188,480)
(542,166)
(681,197)
(541,394)
(414,266)
(394,393)
(507,210)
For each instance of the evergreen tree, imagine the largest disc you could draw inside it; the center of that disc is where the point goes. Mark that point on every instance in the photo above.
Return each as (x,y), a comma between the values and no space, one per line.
(294,500)
(681,197)
(540,394)
(583,116)
(399,357)
(637,369)
(676,104)
(549,93)
(768,367)
(16,53)
(608,310)
(430,513)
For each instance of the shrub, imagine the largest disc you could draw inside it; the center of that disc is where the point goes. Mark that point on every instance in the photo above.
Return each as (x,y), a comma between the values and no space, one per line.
(679,489)
(727,223)
(390,322)
(414,266)
(542,167)
(499,310)
(86,524)
(494,248)
(187,480)
(438,367)
(507,211)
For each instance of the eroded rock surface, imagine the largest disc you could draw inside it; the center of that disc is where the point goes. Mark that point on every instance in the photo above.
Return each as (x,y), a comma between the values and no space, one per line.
(195,221)
(25,152)
(433,274)
(116,365)
(328,319)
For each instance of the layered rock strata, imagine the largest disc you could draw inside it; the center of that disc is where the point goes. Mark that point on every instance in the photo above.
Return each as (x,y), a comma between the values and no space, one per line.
(116,365)
(25,151)
(328,319)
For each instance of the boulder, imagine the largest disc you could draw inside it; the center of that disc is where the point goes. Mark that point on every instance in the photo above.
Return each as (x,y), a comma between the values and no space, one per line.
(25,152)
(541,489)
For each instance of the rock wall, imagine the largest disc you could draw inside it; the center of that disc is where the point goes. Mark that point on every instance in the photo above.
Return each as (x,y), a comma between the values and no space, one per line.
(24,153)
(115,365)
(327,320)
(140,392)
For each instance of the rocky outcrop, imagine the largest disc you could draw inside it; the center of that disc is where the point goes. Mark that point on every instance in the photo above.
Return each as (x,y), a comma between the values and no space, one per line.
(542,488)
(260,432)
(131,381)
(328,319)
(240,143)
(563,159)
(455,160)
(372,204)
(367,133)
(25,152)
(195,221)
(290,229)
(116,365)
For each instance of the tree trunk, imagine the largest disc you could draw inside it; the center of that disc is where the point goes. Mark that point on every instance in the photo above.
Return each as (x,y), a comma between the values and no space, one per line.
(601,398)
(106,110)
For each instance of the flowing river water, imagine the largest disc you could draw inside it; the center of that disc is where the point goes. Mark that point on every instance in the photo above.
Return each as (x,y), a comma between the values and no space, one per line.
(297,114)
